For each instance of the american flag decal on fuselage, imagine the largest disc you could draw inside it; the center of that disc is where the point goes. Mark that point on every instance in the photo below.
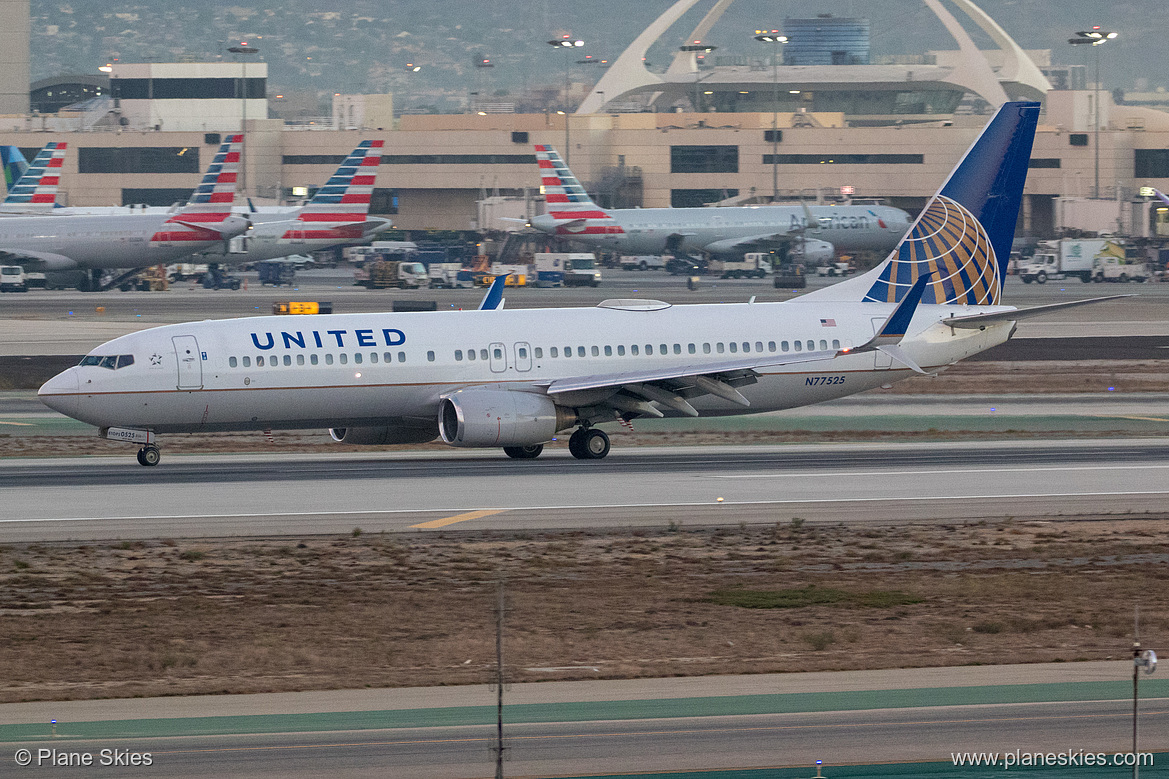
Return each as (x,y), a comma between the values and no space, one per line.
(339,209)
(567,200)
(210,203)
(948,240)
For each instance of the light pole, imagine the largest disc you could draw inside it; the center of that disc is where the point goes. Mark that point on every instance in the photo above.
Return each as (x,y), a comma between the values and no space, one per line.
(773,37)
(1095,37)
(243,49)
(566,41)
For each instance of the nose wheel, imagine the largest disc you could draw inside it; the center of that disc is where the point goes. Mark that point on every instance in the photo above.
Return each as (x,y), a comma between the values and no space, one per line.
(149,456)
(589,444)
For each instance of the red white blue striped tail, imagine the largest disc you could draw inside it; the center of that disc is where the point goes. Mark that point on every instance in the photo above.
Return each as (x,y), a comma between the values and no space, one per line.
(339,209)
(566,200)
(210,203)
(37,188)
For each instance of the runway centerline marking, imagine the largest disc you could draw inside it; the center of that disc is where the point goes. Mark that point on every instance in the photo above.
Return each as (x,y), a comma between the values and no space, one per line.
(684,504)
(443,522)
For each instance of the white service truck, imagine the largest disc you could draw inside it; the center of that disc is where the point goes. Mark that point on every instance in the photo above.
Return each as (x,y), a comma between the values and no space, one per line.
(754,265)
(1108,267)
(643,262)
(12,279)
(580,270)
(1070,257)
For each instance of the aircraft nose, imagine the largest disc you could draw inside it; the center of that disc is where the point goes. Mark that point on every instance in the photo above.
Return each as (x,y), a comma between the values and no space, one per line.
(60,392)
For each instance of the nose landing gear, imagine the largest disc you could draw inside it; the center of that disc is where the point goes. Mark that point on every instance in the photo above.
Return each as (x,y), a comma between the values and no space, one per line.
(589,443)
(149,455)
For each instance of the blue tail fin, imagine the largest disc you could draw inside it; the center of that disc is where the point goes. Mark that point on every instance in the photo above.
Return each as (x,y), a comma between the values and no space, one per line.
(964,234)
(14,165)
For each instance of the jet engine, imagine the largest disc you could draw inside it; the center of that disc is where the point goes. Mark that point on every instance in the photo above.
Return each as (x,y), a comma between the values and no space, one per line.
(812,251)
(376,436)
(500,418)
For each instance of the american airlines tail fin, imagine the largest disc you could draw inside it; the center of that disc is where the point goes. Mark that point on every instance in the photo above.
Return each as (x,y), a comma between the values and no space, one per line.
(207,215)
(36,188)
(340,209)
(963,237)
(562,192)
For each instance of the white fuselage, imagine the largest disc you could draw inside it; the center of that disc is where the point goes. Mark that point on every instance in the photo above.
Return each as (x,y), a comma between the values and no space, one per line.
(281,236)
(61,243)
(720,230)
(362,370)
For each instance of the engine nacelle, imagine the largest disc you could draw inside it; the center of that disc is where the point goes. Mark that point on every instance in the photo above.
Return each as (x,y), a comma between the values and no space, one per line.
(813,251)
(500,418)
(376,436)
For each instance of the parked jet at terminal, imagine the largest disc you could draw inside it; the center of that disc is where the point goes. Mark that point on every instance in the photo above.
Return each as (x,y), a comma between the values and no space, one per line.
(515,379)
(733,230)
(32,188)
(83,245)
(338,213)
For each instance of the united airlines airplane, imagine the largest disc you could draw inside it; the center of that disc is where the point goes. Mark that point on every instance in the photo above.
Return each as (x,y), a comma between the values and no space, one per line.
(515,379)
(734,230)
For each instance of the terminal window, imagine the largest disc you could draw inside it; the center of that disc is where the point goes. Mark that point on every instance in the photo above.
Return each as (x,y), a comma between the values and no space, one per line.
(693,198)
(704,159)
(140,159)
(1044,162)
(1151,163)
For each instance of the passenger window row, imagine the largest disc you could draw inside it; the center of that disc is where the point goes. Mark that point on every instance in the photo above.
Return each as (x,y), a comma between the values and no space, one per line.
(635,350)
(273,360)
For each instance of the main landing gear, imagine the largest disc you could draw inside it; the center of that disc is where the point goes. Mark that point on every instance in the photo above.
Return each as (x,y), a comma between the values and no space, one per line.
(149,455)
(589,443)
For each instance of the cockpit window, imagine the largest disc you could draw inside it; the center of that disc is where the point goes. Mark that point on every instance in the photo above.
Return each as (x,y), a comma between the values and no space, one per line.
(113,362)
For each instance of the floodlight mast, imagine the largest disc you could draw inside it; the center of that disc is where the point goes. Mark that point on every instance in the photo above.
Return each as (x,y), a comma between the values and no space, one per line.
(773,37)
(1095,37)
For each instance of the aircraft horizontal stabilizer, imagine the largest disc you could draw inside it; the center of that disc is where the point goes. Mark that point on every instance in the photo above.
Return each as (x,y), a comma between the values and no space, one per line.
(976,321)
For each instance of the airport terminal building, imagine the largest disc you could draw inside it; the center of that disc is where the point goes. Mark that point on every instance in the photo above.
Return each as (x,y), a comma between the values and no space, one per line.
(825,121)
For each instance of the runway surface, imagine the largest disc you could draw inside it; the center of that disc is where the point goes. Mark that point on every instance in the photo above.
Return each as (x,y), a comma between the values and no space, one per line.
(210,496)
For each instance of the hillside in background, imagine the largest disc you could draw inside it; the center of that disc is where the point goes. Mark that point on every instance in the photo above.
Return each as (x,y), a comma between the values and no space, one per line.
(312,47)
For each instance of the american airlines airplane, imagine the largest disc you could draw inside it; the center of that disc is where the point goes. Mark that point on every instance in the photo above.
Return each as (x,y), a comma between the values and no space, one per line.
(572,214)
(515,379)
(78,242)
(338,213)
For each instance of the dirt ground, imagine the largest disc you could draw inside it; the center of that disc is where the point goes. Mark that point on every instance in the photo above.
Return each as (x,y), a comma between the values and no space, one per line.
(232,616)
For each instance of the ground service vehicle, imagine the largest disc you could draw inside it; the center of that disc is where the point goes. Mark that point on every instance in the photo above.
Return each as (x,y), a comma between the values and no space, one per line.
(1120,269)
(12,279)
(580,270)
(643,262)
(549,268)
(1057,260)
(384,274)
(754,265)
(446,275)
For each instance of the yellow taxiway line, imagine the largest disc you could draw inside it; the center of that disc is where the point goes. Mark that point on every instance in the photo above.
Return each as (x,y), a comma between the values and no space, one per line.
(444,521)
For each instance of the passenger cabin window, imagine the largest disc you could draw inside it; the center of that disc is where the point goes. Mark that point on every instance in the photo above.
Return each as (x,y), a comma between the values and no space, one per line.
(373,357)
(677,348)
(498,353)
(783,346)
(596,352)
(811,346)
(387,357)
(718,347)
(300,359)
(771,346)
(247,362)
(706,348)
(759,346)
(288,359)
(260,361)
(328,359)
(430,356)
(835,343)
(311,358)
(482,355)
(823,344)
(633,350)
(458,355)
(734,347)
(539,352)
(402,356)
(620,350)
(470,355)
(692,348)
(798,347)
(608,351)
(231,361)
(357,359)
(343,358)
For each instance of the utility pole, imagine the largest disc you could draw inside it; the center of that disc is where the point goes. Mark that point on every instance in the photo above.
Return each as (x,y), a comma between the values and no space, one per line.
(498,749)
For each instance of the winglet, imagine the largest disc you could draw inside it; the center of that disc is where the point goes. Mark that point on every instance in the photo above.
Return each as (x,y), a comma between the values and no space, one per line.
(494,297)
(897,324)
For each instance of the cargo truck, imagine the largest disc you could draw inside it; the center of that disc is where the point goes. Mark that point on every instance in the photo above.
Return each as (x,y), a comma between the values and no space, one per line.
(1070,257)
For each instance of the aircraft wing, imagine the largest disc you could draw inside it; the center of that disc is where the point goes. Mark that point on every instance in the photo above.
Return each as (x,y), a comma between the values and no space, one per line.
(36,260)
(750,241)
(978,320)
(636,391)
